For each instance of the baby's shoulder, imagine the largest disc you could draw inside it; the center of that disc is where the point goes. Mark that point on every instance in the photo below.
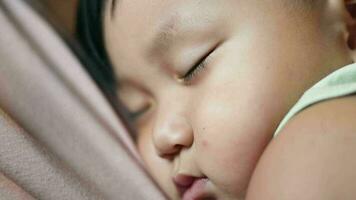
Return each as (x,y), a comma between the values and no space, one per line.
(331,118)
(313,157)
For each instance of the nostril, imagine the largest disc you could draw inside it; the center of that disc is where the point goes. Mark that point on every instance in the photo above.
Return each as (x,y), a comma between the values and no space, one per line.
(169,157)
(170,154)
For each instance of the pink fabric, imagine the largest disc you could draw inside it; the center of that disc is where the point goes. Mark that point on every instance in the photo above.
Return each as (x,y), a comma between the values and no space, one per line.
(70,145)
(33,167)
(10,191)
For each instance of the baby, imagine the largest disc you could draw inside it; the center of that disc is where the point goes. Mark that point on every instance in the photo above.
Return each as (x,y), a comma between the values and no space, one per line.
(207,83)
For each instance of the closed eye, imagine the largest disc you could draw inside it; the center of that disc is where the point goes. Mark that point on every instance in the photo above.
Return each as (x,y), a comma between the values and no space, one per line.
(134,115)
(134,99)
(197,68)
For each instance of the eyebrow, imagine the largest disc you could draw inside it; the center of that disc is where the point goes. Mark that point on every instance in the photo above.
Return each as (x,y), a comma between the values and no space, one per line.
(165,34)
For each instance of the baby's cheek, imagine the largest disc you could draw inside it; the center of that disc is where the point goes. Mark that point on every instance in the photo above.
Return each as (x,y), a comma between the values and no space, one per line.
(228,163)
(228,148)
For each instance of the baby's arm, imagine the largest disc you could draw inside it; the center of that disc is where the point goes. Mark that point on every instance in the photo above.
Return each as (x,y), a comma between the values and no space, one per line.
(313,158)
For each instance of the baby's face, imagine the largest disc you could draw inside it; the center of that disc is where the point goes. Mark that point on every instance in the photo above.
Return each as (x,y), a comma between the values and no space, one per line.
(209,81)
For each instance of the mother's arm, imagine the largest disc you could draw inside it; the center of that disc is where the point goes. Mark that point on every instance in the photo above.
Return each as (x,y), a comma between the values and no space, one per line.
(313,158)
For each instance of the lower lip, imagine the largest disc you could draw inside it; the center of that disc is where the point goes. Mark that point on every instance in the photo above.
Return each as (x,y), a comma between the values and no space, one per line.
(197,190)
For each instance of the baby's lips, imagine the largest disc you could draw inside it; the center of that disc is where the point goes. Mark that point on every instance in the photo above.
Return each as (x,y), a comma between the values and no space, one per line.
(182,180)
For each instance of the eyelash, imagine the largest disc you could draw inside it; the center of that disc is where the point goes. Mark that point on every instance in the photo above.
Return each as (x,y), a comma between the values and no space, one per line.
(197,68)
(188,77)
(135,115)
(191,74)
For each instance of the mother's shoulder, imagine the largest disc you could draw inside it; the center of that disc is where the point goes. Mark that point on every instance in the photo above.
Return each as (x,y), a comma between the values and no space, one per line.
(313,157)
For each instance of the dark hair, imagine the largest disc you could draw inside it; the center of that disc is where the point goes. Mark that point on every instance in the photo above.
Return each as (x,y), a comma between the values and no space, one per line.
(89,32)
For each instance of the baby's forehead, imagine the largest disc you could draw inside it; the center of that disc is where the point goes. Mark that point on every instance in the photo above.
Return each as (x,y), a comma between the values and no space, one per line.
(151,15)
(141,32)
(155,23)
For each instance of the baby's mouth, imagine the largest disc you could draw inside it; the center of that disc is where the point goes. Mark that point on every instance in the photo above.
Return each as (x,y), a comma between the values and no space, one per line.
(192,188)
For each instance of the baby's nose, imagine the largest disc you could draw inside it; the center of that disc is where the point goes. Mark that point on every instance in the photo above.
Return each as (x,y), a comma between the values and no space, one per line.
(171,135)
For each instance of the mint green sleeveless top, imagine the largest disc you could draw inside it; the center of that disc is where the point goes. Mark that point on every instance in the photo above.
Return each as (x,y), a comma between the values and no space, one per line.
(340,83)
